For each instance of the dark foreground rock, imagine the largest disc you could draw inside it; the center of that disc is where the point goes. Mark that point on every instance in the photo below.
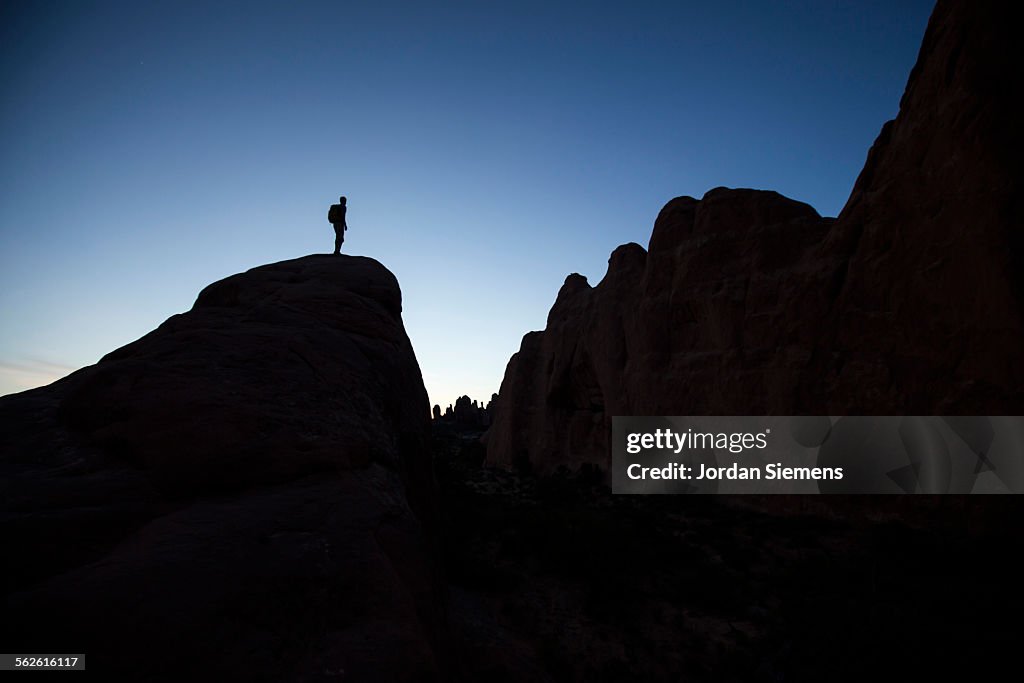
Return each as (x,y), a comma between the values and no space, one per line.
(748,303)
(553,578)
(242,494)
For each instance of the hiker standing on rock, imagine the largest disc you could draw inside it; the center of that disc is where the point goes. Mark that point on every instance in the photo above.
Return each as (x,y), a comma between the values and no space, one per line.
(336,217)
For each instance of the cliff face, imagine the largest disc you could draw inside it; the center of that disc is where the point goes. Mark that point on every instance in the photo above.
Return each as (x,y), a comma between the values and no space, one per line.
(249,483)
(746,302)
(932,236)
(714,312)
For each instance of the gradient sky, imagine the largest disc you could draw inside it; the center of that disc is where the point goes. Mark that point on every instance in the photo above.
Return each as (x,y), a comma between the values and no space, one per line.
(487,149)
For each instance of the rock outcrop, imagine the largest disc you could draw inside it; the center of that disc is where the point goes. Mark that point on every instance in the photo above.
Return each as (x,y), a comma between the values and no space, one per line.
(745,302)
(932,237)
(467,415)
(243,494)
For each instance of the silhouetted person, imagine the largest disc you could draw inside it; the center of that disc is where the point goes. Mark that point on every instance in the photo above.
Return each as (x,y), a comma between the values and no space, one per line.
(336,217)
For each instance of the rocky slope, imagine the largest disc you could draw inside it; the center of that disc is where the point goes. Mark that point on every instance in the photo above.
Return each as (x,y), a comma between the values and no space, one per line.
(747,302)
(248,484)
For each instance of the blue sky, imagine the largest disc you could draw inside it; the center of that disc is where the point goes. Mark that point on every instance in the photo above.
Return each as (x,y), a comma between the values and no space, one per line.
(488,149)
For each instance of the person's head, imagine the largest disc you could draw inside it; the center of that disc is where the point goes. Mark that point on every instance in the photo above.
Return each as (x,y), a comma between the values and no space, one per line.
(342,200)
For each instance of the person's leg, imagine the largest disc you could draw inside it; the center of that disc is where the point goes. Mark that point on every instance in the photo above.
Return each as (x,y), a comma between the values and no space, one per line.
(338,239)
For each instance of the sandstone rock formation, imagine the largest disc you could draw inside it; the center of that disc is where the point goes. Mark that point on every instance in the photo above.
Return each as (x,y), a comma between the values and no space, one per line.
(746,302)
(243,493)
(466,415)
(932,237)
